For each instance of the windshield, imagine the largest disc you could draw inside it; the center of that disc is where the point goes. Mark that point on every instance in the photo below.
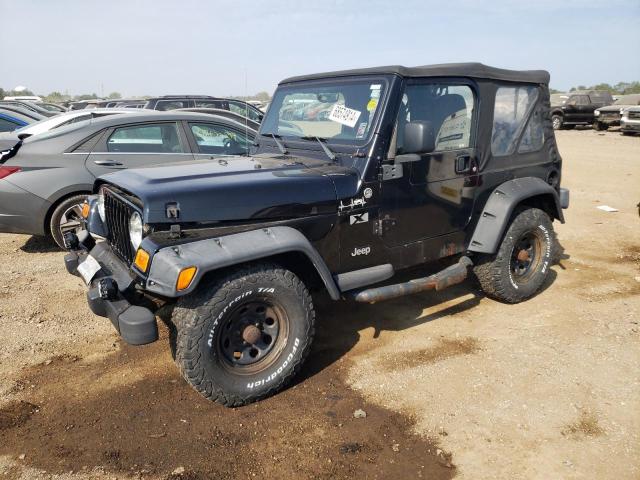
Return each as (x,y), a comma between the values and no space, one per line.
(341,110)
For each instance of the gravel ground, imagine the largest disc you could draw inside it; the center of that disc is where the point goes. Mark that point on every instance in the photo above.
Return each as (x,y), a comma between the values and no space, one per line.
(453,384)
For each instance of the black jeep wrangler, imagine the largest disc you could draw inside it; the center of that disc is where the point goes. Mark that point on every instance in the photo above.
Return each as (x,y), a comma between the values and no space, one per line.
(578,108)
(405,167)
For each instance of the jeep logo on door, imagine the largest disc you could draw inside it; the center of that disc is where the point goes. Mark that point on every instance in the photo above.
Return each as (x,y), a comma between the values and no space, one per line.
(361,251)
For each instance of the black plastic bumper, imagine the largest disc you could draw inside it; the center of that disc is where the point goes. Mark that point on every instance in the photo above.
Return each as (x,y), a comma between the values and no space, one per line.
(135,324)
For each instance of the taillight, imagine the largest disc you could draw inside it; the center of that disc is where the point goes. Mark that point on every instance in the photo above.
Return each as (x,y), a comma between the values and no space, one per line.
(6,171)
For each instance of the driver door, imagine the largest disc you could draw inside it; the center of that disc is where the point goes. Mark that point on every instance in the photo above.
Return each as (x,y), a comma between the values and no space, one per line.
(434,196)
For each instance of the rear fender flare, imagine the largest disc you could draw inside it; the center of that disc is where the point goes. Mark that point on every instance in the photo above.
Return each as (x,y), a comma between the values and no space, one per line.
(497,212)
(215,253)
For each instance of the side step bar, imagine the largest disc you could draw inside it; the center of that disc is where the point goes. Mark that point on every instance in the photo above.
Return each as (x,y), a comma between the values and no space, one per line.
(449,276)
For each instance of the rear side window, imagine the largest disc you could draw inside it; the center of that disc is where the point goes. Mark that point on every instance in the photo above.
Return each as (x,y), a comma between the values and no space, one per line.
(533,136)
(210,104)
(146,139)
(245,110)
(219,140)
(164,105)
(513,106)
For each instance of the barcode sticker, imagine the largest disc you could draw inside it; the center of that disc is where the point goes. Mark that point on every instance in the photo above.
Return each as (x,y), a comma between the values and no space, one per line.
(344,115)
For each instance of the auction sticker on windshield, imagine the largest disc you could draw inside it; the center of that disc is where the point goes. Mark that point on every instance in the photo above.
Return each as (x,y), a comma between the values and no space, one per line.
(344,115)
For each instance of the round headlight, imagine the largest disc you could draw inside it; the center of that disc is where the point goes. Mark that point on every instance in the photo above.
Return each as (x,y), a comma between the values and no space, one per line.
(596,113)
(135,230)
(100,203)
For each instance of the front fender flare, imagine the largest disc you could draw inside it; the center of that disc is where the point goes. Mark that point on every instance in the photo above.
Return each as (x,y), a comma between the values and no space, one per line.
(215,253)
(497,212)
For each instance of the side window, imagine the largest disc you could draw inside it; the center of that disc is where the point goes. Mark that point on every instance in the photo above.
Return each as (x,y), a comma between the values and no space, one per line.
(448,108)
(533,136)
(164,105)
(219,140)
(209,104)
(512,107)
(161,138)
(245,111)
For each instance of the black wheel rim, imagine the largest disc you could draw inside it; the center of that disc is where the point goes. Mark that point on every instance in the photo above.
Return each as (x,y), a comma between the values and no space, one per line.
(526,257)
(253,335)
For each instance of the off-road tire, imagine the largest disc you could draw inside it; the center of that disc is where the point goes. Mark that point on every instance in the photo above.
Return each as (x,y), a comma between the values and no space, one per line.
(200,320)
(599,126)
(56,216)
(494,272)
(557,122)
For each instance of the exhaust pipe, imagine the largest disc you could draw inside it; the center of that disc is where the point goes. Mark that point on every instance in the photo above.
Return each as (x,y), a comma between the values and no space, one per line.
(439,281)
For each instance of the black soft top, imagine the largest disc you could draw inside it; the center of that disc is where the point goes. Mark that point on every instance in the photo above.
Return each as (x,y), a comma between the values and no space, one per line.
(472,70)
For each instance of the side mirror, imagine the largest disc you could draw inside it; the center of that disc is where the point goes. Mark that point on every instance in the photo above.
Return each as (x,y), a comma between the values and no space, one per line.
(419,137)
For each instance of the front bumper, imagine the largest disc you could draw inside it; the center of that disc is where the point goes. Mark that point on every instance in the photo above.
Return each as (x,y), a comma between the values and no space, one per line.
(135,323)
(627,125)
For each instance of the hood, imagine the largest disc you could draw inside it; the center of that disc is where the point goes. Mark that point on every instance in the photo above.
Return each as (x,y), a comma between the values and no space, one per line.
(233,188)
(613,108)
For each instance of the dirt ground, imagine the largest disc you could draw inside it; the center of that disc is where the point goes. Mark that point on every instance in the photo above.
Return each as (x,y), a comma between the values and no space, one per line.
(453,384)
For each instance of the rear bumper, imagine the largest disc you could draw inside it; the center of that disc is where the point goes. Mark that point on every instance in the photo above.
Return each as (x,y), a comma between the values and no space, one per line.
(135,323)
(21,211)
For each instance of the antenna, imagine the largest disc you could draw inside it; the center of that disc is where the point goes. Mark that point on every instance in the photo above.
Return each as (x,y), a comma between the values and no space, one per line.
(246,110)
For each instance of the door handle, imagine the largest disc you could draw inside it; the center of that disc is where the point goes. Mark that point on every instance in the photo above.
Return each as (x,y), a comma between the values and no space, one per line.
(463,163)
(107,163)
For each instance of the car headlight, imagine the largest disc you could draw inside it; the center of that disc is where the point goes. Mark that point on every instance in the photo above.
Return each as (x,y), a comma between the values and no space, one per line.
(596,113)
(135,230)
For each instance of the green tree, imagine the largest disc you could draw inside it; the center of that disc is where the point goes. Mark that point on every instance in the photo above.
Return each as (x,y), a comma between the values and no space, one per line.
(114,96)
(2,93)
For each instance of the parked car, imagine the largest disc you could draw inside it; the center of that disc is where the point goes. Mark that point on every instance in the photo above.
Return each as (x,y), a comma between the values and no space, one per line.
(630,121)
(16,117)
(224,113)
(610,116)
(173,102)
(578,108)
(82,104)
(33,106)
(9,139)
(10,120)
(412,166)
(44,179)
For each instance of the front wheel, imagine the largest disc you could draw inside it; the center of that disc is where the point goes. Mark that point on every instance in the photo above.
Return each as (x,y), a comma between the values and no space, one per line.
(599,126)
(556,121)
(523,261)
(67,217)
(241,338)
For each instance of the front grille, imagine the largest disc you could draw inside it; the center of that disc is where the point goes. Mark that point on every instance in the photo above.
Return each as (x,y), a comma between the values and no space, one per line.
(118,211)
(634,115)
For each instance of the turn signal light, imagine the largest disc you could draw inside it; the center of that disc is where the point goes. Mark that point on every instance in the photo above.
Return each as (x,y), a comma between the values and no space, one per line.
(85,210)
(6,171)
(142,260)
(185,277)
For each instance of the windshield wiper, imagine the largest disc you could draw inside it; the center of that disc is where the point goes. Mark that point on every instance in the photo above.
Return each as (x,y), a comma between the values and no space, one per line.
(327,150)
(275,137)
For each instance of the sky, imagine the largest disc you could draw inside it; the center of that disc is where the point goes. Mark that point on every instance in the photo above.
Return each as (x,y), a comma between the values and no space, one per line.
(236,47)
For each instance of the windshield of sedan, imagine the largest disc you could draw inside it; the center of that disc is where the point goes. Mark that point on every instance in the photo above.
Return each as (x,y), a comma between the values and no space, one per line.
(340,110)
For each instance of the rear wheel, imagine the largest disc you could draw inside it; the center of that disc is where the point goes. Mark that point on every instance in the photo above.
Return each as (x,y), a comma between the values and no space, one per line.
(523,261)
(67,217)
(243,337)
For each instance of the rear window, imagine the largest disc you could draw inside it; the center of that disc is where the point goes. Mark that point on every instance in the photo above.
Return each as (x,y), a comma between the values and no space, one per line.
(512,107)
(164,105)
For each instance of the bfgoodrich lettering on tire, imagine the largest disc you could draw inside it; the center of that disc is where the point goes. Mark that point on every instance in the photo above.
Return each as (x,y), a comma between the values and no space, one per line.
(523,261)
(243,337)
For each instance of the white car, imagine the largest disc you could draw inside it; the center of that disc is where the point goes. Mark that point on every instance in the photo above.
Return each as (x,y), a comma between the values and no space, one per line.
(67,118)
